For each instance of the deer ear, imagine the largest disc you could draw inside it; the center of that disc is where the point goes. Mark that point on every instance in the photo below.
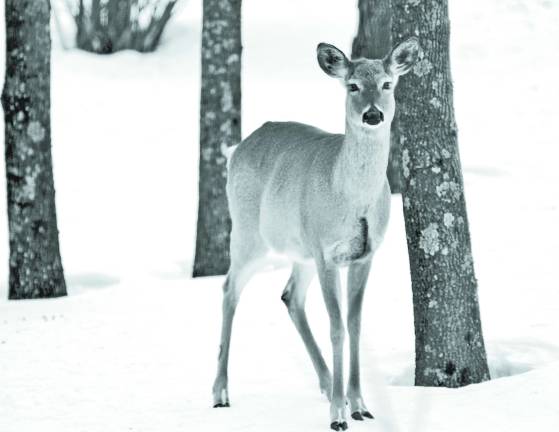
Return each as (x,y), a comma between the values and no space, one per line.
(333,61)
(403,57)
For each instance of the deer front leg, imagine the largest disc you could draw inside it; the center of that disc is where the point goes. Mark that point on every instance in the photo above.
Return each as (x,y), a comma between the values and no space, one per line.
(356,282)
(330,283)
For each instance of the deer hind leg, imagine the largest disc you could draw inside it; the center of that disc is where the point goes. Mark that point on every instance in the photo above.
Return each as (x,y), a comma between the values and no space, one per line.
(294,296)
(356,282)
(244,263)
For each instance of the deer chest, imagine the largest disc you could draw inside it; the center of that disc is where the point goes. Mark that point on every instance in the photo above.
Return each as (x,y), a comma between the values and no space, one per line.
(352,247)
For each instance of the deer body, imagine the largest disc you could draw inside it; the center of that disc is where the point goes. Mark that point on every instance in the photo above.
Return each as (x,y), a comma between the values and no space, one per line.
(322,200)
(339,210)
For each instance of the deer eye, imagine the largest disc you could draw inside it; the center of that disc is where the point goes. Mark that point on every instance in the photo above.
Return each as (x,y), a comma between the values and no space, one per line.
(387,85)
(353,88)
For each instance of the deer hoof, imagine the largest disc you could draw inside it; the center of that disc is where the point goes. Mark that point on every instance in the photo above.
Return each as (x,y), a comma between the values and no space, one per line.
(357,416)
(222,405)
(338,426)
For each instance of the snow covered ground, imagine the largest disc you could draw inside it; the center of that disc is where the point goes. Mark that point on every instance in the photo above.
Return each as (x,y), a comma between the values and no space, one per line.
(133,347)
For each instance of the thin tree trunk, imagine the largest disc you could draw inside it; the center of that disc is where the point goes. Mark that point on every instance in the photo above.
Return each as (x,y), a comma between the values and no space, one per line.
(220,127)
(449,343)
(35,264)
(374,41)
(80,20)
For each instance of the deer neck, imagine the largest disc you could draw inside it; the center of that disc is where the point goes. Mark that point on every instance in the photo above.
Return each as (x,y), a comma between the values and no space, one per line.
(360,168)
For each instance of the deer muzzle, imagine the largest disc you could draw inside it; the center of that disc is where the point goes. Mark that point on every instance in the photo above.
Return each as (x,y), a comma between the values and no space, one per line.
(373,116)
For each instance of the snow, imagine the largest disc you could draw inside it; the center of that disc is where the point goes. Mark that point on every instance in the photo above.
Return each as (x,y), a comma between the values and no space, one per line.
(134,345)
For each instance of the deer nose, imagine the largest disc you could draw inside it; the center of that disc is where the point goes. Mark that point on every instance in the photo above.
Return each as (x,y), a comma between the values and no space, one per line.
(373,116)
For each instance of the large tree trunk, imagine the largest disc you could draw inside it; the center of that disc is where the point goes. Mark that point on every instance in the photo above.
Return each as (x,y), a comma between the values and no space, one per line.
(35,264)
(449,344)
(220,127)
(374,41)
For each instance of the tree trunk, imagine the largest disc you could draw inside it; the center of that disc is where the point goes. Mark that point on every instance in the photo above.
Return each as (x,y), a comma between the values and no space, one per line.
(449,346)
(220,127)
(35,264)
(374,41)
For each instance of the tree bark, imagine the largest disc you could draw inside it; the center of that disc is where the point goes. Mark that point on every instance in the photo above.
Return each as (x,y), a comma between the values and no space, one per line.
(374,41)
(449,343)
(220,128)
(35,264)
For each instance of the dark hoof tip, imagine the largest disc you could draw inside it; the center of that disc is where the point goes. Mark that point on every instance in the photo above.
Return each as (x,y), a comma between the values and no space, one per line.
(357,416)
(368,415)
(337,426)
(222,405)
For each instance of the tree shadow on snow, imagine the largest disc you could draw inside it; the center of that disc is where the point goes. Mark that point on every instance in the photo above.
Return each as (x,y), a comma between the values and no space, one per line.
(505,358)
(81,282)
(517,356)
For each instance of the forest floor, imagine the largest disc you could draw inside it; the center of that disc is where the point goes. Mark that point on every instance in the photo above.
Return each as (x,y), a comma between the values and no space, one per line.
(134,345)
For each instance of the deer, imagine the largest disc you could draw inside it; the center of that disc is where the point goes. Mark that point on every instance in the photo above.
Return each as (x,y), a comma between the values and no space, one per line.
(322,201)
